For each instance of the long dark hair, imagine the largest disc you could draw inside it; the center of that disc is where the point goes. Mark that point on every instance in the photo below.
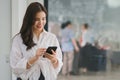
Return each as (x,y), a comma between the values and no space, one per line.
(28,22)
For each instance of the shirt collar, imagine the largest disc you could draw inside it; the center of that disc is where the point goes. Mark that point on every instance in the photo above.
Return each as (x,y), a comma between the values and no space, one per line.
(44,32)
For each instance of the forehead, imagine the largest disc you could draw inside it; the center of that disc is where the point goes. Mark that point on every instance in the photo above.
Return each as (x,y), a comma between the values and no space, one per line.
(82,26)
(40,14)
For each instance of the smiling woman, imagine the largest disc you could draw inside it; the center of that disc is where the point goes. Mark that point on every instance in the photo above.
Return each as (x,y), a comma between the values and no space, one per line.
(40,22)
(26,57)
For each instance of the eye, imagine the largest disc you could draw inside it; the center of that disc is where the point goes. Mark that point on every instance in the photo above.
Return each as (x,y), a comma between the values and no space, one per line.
(37,19)
(44,18)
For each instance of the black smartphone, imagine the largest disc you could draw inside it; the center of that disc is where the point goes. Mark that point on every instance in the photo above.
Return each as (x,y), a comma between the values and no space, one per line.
(50,48)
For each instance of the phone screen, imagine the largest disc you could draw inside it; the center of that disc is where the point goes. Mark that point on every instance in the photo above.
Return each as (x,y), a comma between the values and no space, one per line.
(49,49)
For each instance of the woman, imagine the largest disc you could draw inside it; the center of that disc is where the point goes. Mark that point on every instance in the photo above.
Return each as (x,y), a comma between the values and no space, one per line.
(68,45)
(29,47)
(86,42)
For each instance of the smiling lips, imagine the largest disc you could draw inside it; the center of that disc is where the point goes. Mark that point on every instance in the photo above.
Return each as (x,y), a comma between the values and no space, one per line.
(39,26)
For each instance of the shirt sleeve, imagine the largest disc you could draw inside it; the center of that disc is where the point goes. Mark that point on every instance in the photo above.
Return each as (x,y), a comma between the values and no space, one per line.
(59,56)
(17,61)
(71,34)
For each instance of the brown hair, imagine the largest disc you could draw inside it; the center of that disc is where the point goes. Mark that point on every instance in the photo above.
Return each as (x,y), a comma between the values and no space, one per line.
(86,26)
(28,22)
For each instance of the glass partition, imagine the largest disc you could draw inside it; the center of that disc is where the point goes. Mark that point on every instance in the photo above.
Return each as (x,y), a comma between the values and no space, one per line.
(103,16)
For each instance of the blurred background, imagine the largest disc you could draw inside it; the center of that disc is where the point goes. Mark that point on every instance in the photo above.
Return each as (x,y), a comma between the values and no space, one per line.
(103,17)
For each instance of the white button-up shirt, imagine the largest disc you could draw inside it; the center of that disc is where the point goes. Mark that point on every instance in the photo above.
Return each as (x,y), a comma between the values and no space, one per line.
(87,37)
(19,57)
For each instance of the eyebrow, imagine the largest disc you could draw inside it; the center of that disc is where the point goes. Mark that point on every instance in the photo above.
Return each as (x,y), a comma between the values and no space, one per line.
(39,18)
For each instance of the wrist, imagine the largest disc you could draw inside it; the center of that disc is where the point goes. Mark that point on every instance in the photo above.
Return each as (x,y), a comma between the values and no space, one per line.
(29,63)
(32,60)
(54,61)
(36,57)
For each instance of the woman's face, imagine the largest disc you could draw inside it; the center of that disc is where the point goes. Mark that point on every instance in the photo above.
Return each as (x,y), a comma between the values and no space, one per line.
(83,28)
(40,21)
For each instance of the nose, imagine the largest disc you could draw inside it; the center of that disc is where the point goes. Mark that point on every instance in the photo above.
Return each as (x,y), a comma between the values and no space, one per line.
(40,21)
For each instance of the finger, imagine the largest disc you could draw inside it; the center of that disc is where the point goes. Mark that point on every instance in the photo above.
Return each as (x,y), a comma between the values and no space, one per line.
(48,55)
(40,52)
(54,53)
(42,49)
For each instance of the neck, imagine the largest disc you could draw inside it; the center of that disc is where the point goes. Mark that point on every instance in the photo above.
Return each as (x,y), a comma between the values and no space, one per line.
(37,33)
(85,30)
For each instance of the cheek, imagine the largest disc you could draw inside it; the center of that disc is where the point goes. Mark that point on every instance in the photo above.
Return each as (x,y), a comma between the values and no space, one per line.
(44,22)
(35,23)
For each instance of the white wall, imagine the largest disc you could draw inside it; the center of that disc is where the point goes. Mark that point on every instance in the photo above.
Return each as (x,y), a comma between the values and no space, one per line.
(5,26)
(18,11)
(29,1)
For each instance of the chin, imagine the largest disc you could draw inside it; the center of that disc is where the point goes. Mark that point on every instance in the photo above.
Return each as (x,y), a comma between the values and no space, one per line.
(40,29)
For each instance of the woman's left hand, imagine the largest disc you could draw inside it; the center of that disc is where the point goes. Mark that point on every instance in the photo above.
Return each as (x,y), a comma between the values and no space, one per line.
(52,58)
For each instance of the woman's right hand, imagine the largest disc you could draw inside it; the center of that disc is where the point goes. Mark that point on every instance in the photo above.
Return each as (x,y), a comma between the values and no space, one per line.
(76,49)
(40,52)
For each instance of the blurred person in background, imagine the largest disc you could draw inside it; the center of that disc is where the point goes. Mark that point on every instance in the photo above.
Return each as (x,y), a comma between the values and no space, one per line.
(76,61)
(68,44)
(86,41)
(28,58)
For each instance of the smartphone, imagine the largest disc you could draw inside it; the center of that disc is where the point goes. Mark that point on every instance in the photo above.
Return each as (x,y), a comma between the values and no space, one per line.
(50,48)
